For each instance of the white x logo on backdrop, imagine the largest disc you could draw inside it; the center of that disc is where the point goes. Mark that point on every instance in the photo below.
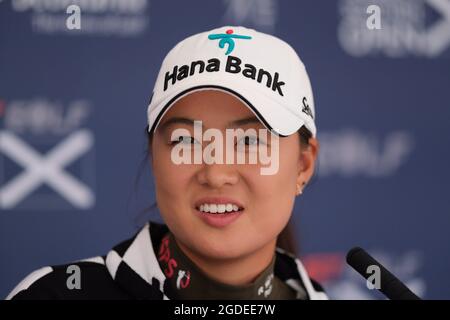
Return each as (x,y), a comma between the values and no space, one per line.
(40,169)
(438,35)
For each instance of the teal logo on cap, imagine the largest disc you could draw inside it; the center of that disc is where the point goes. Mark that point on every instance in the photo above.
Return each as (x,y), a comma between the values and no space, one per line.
(227,38)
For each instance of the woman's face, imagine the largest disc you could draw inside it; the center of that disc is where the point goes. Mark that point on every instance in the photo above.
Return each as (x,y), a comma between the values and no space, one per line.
(266,200)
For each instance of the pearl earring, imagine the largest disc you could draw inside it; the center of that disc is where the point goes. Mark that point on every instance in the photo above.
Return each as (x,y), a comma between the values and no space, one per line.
(299,190)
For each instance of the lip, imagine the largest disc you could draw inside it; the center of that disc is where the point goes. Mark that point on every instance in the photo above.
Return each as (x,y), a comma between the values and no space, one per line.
(218,220)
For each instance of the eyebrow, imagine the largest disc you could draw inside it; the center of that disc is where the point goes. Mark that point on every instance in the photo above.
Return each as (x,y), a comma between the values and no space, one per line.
(188,121)
(245,121)
(174,120)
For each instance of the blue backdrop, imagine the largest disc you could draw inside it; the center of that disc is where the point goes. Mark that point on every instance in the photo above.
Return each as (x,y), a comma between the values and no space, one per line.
(73,112)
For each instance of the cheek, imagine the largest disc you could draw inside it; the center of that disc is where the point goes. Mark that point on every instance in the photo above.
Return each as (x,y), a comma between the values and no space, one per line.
(274,195)
(171,184)
(277,189)
(274,205)
(270,208)
(169,176)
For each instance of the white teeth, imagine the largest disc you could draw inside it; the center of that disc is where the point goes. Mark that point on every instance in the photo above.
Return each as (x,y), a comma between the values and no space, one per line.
(218,208)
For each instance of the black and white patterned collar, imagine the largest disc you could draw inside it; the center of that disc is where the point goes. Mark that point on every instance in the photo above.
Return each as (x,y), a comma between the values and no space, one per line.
(133,264)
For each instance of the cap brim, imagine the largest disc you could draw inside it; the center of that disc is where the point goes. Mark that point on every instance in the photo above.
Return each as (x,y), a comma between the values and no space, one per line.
(276,118)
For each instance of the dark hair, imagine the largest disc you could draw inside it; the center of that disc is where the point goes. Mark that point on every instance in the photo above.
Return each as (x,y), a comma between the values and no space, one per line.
(286,239)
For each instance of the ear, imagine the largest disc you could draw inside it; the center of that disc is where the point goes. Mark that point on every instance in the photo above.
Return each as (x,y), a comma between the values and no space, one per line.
(306,162)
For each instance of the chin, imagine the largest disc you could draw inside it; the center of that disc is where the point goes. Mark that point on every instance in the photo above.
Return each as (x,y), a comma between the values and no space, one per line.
(220,251)
(224,248)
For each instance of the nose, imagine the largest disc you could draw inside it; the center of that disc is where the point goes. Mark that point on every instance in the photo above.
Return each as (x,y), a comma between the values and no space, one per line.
(217,176)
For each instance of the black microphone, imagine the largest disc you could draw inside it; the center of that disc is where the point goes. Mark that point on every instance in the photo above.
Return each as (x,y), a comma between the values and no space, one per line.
(392,287)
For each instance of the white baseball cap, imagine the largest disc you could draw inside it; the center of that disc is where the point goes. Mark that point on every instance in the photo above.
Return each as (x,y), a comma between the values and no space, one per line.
(261,70)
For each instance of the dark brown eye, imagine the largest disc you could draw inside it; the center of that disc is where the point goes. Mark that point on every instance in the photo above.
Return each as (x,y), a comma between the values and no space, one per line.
(249,141)
(184,140)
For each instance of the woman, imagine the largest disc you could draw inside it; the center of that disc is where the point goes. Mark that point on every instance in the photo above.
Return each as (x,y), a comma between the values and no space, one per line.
(232,142)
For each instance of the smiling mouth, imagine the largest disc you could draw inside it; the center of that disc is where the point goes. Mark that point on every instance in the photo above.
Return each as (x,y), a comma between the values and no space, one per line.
(212,208)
